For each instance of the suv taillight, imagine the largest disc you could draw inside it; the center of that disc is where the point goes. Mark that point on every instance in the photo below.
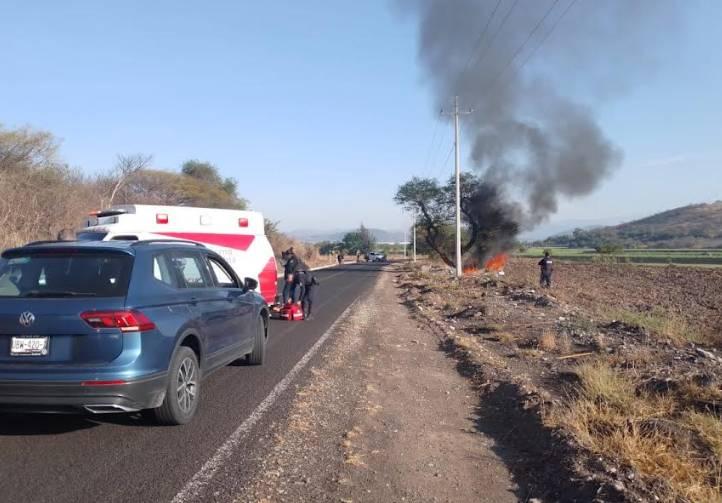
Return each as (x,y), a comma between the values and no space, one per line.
(126,321)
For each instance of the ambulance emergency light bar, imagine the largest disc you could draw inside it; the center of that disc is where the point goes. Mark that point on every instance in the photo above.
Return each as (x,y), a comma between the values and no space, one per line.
(160,218)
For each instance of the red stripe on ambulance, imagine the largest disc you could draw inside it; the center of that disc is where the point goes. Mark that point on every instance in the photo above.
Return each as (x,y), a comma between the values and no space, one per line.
(268,281)
(236,241)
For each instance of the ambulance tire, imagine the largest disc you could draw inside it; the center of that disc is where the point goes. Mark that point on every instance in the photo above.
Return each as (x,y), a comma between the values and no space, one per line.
(258,354)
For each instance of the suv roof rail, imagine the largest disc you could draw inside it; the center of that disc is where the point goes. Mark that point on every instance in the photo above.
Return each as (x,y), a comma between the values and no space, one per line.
(167,241)
(48,241)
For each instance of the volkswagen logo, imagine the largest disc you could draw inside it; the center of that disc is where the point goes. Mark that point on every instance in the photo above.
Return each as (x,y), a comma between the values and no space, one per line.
(27,318)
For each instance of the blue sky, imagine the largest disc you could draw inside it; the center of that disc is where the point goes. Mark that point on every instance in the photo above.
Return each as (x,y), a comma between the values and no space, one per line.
(318,108)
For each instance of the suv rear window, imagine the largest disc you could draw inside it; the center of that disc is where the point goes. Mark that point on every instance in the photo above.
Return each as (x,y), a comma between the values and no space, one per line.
(65,275)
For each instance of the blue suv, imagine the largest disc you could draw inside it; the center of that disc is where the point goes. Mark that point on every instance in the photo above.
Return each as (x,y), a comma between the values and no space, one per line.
(121,326)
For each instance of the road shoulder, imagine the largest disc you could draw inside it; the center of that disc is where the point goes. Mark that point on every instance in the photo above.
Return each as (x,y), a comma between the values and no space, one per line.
(384,417)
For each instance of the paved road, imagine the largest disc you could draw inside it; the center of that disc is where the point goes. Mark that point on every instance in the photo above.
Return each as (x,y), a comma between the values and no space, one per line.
(125,458)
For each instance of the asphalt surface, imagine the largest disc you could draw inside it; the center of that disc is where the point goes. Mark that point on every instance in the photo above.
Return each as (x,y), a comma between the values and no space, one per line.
(126,458)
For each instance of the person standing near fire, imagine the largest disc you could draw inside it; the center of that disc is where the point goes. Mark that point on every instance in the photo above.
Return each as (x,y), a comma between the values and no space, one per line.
(546,266)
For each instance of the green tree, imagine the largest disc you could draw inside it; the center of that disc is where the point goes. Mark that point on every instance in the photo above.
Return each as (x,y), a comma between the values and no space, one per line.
(207,174)
(271,228)
(486,219)
(434,205)
(359,241)
(368,240)
(328,247)
(151,186)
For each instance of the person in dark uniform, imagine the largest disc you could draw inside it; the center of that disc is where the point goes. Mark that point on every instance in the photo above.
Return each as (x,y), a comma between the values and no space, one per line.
(299,285)
(546,267)
(289,270)
(310,285)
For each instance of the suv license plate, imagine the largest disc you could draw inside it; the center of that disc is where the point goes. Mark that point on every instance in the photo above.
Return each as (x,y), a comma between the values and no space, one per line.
(29,346)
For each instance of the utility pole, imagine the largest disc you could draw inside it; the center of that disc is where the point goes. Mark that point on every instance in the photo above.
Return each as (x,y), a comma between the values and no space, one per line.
(415,217)
(457,152)
(459,269)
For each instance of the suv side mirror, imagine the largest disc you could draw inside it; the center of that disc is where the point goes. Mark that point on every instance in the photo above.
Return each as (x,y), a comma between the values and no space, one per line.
(250,284)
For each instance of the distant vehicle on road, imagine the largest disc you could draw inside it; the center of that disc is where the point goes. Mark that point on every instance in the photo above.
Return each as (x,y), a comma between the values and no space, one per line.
(377,256)
(121,326)
(238,236)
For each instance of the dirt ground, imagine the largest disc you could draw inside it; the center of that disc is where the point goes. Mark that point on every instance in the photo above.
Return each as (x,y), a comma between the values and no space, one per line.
(488,389)
(693,293)
(601,409)
(386,416)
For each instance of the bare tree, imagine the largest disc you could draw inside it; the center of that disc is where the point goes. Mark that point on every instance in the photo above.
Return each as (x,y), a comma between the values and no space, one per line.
(126,167)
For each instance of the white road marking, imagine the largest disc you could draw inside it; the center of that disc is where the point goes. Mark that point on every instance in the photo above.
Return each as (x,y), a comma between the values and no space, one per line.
(192,490)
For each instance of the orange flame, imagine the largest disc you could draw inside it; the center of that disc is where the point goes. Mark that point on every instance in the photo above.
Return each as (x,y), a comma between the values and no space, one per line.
(470,269)
(496,263)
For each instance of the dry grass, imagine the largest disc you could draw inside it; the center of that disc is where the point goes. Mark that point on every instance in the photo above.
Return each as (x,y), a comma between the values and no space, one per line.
(693,392)
(308,253)
(551,342)
(467,343)
(564,344)
(506,338)
(547,341)
(659,323)
(709,428)
(645,432)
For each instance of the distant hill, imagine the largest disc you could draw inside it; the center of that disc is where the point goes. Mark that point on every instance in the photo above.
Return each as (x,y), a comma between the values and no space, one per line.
(693,226)
(565,227)
(316,236)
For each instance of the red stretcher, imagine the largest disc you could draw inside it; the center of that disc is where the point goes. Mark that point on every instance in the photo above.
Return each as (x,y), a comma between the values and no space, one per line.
(291,311)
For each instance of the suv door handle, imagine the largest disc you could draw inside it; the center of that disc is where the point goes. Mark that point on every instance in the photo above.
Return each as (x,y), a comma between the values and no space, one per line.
(194,301)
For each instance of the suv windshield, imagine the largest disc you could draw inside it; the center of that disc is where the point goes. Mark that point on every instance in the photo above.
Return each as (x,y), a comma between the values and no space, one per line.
(65,275)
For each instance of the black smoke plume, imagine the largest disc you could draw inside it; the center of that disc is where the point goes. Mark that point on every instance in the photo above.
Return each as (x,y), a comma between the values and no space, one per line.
(508,61)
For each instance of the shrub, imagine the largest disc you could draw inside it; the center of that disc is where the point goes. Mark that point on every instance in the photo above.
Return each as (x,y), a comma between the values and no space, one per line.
(609,248)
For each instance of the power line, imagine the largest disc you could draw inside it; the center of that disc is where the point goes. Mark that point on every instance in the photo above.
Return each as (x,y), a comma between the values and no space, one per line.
(496,33)
(441,167)
(431,146)
(479,39)
(434,165)
(548,34)
(526,41)
(445,163)
(529,37)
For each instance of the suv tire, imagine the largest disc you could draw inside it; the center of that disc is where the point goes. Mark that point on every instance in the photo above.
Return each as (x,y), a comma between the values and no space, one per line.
(183,390)
(258,354)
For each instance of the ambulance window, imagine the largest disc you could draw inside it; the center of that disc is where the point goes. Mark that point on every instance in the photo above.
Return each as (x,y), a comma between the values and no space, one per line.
(192,271)
(162,271)
(90,236)
(223,278)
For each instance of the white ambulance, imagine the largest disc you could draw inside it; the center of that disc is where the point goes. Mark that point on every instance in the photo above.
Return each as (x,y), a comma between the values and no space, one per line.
(238,236)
